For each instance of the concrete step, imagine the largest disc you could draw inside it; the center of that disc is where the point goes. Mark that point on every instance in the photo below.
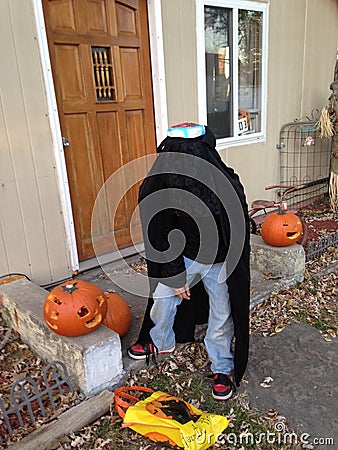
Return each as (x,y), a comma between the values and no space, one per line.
(94,360)
(287,264)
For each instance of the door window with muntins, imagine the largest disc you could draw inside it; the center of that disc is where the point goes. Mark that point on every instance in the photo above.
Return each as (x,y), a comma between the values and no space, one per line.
(103,74)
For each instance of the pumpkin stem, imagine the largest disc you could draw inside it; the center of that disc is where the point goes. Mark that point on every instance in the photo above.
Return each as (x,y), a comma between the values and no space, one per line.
(280,210)
(70,288)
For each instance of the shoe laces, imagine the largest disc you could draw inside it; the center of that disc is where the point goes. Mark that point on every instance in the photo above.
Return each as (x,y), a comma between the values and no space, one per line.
(152,353)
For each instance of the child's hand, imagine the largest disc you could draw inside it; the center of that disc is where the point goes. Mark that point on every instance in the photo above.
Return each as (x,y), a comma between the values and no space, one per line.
(183,292)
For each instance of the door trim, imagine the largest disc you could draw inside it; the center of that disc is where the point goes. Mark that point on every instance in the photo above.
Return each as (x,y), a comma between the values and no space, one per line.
(54,122)
(160,107)
(158,68)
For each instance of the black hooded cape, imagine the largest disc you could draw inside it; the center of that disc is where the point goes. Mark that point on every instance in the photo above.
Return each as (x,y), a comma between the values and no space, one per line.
(195,311)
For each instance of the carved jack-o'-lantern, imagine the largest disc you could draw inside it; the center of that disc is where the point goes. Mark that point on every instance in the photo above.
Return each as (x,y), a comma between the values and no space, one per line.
(75,308)
(281,229)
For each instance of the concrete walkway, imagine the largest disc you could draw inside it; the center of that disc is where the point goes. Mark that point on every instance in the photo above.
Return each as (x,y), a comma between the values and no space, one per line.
(303,366)
(304,389)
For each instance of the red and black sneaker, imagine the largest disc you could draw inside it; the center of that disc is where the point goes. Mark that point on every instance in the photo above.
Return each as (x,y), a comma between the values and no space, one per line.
(143,351)
(223,387)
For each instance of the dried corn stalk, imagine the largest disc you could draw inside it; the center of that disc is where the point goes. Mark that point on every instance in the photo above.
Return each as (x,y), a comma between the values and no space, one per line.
(324,124)
(333,191)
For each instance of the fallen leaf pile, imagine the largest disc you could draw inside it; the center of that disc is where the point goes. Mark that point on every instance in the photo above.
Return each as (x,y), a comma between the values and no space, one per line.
(328,259)
(181,374)
(139,266)
(184,374)
(314,301)
(320,219)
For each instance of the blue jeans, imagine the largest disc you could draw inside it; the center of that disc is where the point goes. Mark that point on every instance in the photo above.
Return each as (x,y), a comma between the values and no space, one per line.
(220,324)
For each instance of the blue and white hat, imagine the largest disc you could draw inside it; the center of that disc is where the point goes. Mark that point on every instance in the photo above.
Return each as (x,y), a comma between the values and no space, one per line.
(186,130)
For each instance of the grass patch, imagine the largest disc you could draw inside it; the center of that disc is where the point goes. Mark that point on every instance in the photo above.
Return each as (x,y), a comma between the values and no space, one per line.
(182,376)
(178,376)
(246,424)
(321,325)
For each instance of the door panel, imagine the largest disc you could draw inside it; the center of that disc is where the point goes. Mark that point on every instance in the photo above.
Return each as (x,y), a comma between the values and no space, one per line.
(130,64)
(101,68)
(126,20)
(71,81)
(96,17)
(61,15)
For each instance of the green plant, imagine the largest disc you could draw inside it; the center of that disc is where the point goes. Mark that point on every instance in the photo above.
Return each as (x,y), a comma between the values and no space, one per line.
(321,325)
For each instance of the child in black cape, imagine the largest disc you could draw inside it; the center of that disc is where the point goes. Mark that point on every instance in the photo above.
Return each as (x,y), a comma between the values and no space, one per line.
(222,193)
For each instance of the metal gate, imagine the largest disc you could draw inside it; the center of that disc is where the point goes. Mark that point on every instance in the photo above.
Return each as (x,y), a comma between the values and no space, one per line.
(27,400)
(304,158)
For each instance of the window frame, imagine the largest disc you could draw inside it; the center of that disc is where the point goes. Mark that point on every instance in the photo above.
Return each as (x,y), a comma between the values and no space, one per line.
(235,5)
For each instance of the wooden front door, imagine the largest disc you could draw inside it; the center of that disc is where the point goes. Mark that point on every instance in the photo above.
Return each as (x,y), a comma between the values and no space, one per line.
(100,58)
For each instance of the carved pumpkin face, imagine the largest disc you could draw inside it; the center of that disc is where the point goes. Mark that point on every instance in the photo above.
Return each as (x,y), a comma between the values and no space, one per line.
(281,229)
(75,308)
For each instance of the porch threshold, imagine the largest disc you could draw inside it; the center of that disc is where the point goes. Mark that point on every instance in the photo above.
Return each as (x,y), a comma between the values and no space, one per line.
(111,257)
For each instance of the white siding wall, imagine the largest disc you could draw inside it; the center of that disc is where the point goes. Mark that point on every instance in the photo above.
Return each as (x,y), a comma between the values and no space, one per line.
(303,36)
(32,230)
(179,41)
(319,57)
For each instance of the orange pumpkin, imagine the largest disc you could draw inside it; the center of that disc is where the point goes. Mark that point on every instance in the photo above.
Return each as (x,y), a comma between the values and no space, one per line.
(118,315)
(281,229)
(75,308)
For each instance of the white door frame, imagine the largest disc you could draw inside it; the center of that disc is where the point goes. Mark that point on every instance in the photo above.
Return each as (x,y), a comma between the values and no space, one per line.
(160,107)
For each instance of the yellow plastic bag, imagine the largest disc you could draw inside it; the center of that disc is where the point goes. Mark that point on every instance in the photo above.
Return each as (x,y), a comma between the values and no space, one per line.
(164,418)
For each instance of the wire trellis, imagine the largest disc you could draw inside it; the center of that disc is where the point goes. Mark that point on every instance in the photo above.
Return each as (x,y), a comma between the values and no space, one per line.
(305,158)
(26,397)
